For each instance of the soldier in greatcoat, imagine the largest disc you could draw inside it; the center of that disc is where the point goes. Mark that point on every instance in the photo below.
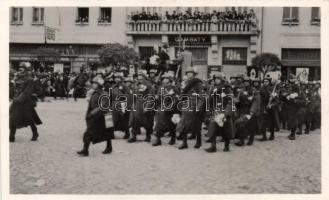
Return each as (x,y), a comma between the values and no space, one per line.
(166,108)
(22,111)
(96,129)
(142,113)
(192,116)
(221,120)
(121,96)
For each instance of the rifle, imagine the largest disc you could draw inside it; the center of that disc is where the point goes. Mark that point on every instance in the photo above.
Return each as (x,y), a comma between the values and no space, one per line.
(269,105)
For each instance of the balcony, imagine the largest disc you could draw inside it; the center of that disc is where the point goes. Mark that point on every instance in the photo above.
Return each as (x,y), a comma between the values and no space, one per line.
(234,27)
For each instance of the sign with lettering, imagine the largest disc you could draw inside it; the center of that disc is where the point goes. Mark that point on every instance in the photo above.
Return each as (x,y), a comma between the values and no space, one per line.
(189,40)
(212,69)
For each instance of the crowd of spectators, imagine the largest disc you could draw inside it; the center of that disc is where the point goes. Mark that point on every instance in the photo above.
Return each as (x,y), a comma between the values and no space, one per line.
(230,15)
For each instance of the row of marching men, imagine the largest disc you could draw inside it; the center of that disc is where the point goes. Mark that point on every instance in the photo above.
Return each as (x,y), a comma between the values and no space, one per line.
(238,108)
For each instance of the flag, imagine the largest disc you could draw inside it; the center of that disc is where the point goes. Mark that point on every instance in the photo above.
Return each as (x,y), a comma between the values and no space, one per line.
(50,33)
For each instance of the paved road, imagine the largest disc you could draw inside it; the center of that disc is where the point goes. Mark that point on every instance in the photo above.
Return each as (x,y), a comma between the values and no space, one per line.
(51,166)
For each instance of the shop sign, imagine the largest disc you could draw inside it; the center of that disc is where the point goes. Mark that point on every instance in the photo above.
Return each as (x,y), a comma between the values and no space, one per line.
(190,39)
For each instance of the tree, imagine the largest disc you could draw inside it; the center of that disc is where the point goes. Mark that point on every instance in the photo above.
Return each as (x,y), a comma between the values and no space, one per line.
(266,62)
(115,53)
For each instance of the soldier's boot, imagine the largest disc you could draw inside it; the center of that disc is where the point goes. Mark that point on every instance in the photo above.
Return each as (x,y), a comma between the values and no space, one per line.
(241,142)
(148,135)
(213,147)
(126,134)
(35,134)
(191,137)
(157,140)
(173,137)
(198,141)
(179,137)
(226,145)
(264,138)
(133,135)
(272,136)
(184,142)
(300,130)
(12,135)
(307,128)
(292,135)
(85,150)
(251,139)
(108,148)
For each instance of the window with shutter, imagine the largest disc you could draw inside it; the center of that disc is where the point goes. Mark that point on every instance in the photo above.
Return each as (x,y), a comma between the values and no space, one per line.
(315,15)
(290,16)
(294,14)
(105,16)
(286,14)
(17,16)
(38,14)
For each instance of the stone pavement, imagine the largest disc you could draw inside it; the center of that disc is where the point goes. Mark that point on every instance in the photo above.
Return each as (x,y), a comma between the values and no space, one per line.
(51,165)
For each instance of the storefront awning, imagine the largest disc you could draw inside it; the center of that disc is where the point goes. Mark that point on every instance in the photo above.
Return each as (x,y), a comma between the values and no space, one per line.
(301,63)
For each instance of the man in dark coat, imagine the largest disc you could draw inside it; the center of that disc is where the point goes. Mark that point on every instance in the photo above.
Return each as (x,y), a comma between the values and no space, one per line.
(140,116)
(120,112)
(166,108)
(293,100)
(96,130)
(21,111)
(221,120)
(249,111)
(192,114)
(270,103)
(79,84)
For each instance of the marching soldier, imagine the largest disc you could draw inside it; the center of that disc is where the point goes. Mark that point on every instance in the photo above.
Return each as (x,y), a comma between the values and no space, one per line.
(221,120)
(249,110)
(96,130)
(21,111)
(270,103)
(120,112)
(192,117)
(167,107)
(293,100)
(139,115)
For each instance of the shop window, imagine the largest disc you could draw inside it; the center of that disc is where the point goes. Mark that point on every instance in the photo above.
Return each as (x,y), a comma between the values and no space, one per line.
(315,15)
(105,16)
(17,16)
(38,16)
(290,16)
(235,56)
(82,16)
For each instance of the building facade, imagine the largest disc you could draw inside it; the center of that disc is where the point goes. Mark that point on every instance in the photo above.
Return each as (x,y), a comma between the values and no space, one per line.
(216,45)
(79,32)
(294,35)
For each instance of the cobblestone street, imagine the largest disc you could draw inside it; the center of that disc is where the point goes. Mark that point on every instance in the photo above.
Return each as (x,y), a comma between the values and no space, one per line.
(51,165)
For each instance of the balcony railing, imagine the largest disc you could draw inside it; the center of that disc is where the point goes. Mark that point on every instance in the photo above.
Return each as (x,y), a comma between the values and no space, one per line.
(160,27)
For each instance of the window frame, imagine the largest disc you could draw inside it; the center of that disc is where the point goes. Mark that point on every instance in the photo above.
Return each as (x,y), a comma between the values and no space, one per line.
(20,16)
(100,16)
(235,62)
(316,20)
(290,20)
(40,21)
(78,16)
